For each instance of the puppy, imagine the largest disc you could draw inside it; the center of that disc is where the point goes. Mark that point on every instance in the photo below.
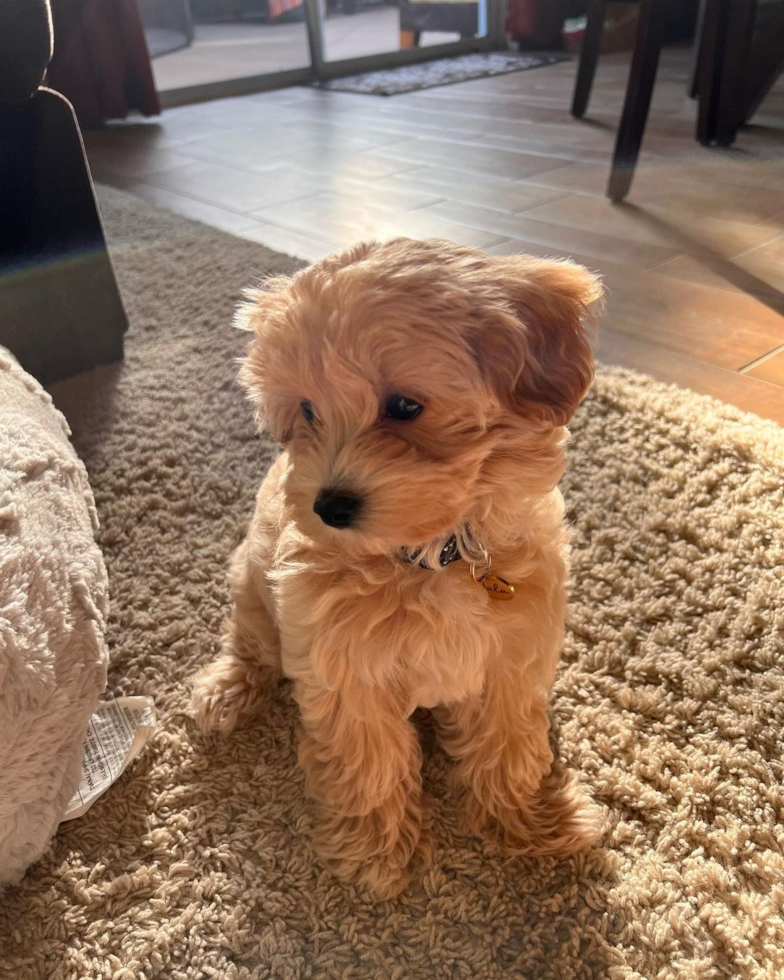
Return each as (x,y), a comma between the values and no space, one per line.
(408,547)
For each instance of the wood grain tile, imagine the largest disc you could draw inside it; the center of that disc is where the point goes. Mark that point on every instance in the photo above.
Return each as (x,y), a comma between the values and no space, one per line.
(769,255)
(554,235)
(532,140)
(133,161)
(771,370)
(363,166)
(288,241)
(257,150)
(452,104)
(454,185)
(667,185)
(748,394)
(742,169)
(745,273)
(394,193)
(231,221)
(393,118)
(668,228)
(116,135)
(474,159)
(332,217)
(234,190)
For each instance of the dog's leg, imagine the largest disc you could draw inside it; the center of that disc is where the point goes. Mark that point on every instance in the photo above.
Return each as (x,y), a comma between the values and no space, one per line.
(362,764)
(517,790)
(231,688)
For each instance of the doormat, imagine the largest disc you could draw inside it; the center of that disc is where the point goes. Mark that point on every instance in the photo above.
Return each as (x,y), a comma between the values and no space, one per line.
(444,71)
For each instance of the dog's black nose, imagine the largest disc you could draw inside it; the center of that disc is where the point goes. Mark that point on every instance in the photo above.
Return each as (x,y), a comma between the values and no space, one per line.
(335,510)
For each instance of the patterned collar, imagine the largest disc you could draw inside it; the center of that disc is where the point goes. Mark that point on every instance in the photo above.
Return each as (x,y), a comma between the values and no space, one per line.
(449,553)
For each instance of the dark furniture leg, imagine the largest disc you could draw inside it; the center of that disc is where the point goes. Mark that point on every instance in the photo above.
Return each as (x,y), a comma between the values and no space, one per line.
(742,56)
(712,41)
(766,61)
(589,55)
(60,309)
(645,61)
(694,81)
(740,23)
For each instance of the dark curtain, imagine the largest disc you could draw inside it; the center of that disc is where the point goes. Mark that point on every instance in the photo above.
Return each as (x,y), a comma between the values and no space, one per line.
(536,23)
(101,64)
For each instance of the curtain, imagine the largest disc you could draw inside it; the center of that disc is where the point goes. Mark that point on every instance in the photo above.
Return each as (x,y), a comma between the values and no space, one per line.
(536,23)
(101,64)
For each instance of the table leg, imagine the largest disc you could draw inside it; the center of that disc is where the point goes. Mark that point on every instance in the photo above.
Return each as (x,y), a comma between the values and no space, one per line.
(645,61)
(589,55)
(729,116)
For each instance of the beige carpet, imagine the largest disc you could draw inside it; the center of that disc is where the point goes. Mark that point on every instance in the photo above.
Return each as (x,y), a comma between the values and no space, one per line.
(670,701)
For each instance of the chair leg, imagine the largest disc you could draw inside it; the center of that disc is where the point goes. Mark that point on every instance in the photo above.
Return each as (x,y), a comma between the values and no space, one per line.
(729,116)
(694,80)
(645,61)
(711,47)
(589,55)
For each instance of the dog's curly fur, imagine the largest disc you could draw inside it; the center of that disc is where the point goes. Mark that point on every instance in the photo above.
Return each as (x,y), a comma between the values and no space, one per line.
(495,350)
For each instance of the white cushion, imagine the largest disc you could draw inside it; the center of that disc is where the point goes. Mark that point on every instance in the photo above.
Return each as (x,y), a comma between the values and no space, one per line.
(53,607)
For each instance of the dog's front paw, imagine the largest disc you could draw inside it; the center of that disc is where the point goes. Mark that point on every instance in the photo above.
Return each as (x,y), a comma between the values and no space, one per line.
(558,820)
(226,693)
(382,875)
(374,851)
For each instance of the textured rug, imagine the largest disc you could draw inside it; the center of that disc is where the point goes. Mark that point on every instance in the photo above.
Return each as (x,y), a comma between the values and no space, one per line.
(196,864)
(443,71)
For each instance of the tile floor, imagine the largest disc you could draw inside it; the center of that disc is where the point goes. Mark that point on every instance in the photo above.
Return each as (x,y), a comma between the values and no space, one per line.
(694,261)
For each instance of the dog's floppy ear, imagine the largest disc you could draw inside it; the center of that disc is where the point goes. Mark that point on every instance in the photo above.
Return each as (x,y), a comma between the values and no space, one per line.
(260,302)
(539,359)
(263,314)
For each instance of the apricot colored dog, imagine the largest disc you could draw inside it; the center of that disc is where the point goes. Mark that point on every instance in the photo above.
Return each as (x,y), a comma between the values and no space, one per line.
(420,391)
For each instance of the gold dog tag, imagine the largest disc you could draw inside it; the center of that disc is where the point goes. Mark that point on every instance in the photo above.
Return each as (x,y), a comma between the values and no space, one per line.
(497,587)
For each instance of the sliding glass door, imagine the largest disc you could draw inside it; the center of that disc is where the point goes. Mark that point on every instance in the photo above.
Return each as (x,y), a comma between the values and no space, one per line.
(373,34)
(196,45)
(365,28)
(206,49)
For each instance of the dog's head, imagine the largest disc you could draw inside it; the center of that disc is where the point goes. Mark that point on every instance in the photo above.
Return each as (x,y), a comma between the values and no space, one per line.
(414,382)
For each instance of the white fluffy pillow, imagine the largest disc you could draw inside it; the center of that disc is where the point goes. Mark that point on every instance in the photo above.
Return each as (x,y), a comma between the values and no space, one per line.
(53,606)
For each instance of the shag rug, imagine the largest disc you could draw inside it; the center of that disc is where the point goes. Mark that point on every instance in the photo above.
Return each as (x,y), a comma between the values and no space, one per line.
(440,71)
(670,700)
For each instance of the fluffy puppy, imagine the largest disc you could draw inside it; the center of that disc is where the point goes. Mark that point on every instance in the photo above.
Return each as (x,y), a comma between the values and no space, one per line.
(420,391)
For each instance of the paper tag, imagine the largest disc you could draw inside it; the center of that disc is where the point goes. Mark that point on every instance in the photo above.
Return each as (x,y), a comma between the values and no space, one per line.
(116,734)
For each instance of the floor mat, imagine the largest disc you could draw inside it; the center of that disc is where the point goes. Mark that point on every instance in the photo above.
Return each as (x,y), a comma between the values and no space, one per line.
(444,71)
(197,862)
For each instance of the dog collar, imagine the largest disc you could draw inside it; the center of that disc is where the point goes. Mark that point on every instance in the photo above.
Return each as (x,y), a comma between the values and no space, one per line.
(495,586)
(449,553)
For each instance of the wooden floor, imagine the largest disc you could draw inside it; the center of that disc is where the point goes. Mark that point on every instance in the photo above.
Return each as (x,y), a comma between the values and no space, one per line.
(694,261)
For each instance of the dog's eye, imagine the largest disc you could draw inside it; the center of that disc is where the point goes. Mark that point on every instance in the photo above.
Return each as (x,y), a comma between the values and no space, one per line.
(307,410)
(401,408)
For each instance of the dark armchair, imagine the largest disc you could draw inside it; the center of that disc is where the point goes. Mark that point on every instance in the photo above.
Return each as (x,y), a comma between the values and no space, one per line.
(60,308)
